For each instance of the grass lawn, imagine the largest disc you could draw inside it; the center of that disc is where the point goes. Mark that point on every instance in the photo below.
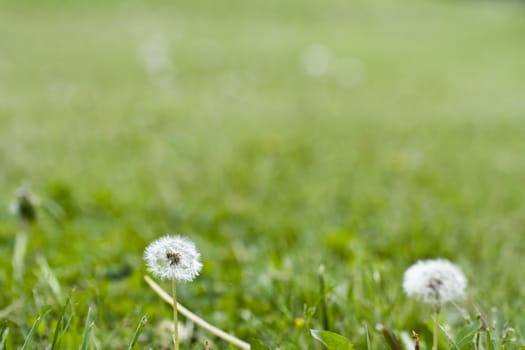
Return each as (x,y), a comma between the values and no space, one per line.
(279,135)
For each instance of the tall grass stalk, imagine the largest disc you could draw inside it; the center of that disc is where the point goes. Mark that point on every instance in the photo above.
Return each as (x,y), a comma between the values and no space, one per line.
(60,327)
(136,334)
(31,335)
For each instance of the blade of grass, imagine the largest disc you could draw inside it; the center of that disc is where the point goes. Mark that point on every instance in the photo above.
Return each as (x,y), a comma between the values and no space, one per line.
(136,334)
(490,344)
(332,341)
(87,330)
(466,335)
(30,336)
(49,277)
(454,344)
(324,306)
(367,337)
(59,329)
(5,333)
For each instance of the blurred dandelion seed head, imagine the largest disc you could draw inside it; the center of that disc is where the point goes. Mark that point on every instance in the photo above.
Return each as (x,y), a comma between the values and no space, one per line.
(24,204)
(155,54)
(164,330)
(173,258)
(435,281)
(316,60)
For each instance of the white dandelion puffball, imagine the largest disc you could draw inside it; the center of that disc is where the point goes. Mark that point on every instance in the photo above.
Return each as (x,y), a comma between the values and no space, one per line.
(435,281)
(173,258)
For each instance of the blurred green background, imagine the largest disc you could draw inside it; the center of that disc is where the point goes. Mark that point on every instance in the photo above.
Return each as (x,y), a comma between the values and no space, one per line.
(279,135)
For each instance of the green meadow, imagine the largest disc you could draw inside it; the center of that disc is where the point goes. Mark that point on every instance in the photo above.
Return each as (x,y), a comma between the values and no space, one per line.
(313,150)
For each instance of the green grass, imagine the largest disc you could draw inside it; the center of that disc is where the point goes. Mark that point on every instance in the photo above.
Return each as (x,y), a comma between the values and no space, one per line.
(410,146)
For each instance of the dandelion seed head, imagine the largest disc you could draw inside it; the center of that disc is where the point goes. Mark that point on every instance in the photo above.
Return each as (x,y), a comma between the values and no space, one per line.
(435,281)
(173,258)
(24,204)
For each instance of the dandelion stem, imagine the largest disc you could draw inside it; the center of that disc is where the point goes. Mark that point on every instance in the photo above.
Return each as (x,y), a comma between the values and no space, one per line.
(20,251)
(196,319)
(436,328)
(175,316)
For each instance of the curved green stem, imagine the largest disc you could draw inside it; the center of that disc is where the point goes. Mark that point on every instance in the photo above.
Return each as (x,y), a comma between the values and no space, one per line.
(196,319)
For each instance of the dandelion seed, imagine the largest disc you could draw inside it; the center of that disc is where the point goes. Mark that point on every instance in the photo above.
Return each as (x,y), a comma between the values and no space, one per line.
(435,281)
(173,258)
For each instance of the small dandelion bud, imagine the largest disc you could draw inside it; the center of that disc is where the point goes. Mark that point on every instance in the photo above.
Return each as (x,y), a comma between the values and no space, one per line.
(173,258)
(435,281)
(24,204)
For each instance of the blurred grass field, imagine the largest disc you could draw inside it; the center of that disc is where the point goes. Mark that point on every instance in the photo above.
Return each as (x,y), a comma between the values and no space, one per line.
(280,135)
